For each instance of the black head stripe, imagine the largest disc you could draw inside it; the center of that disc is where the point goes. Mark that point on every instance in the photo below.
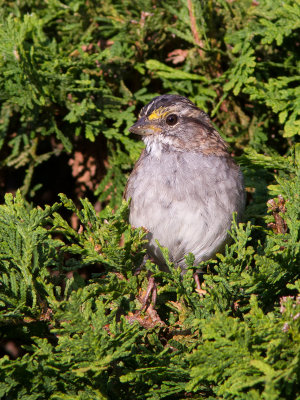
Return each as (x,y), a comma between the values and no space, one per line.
(165,100)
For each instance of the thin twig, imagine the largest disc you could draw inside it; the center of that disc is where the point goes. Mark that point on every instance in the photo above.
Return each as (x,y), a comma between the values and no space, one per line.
(194,26)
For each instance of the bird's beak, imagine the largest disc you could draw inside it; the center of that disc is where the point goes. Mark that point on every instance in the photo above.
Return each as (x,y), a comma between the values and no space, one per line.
(144,127)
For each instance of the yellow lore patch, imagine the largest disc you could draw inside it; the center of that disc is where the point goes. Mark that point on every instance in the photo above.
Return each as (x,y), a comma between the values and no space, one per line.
(157,114)
(155,129)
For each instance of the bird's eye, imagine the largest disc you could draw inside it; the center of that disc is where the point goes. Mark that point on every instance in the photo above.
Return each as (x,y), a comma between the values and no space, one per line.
(172,119)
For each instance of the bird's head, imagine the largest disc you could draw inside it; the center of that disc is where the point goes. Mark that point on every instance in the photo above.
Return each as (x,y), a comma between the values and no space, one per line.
(177,124)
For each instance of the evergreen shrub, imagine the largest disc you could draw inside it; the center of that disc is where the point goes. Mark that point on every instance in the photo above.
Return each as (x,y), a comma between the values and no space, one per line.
(74,75)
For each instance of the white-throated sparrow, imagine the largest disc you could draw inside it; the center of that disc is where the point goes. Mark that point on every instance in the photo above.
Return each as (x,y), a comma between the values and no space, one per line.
(185,185)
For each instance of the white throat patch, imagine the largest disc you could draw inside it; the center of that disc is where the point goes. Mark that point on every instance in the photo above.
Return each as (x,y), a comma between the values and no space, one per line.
(154,144)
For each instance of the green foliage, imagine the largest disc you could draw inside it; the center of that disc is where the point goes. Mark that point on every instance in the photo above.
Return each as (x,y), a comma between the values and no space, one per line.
(27,250)
(86,338)
(270,27)
(243,357)
(73,321)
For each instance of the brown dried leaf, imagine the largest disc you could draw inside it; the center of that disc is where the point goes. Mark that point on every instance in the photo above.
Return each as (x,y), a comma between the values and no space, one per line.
(177,56)
(277,207)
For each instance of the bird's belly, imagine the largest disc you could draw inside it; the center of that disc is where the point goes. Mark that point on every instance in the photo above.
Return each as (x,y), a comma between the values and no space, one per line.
(186,226)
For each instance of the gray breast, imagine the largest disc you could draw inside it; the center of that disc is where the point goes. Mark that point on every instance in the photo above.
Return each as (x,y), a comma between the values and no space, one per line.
(186,201)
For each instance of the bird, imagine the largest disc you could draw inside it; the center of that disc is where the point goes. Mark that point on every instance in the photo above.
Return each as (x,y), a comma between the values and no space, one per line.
(185,186)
